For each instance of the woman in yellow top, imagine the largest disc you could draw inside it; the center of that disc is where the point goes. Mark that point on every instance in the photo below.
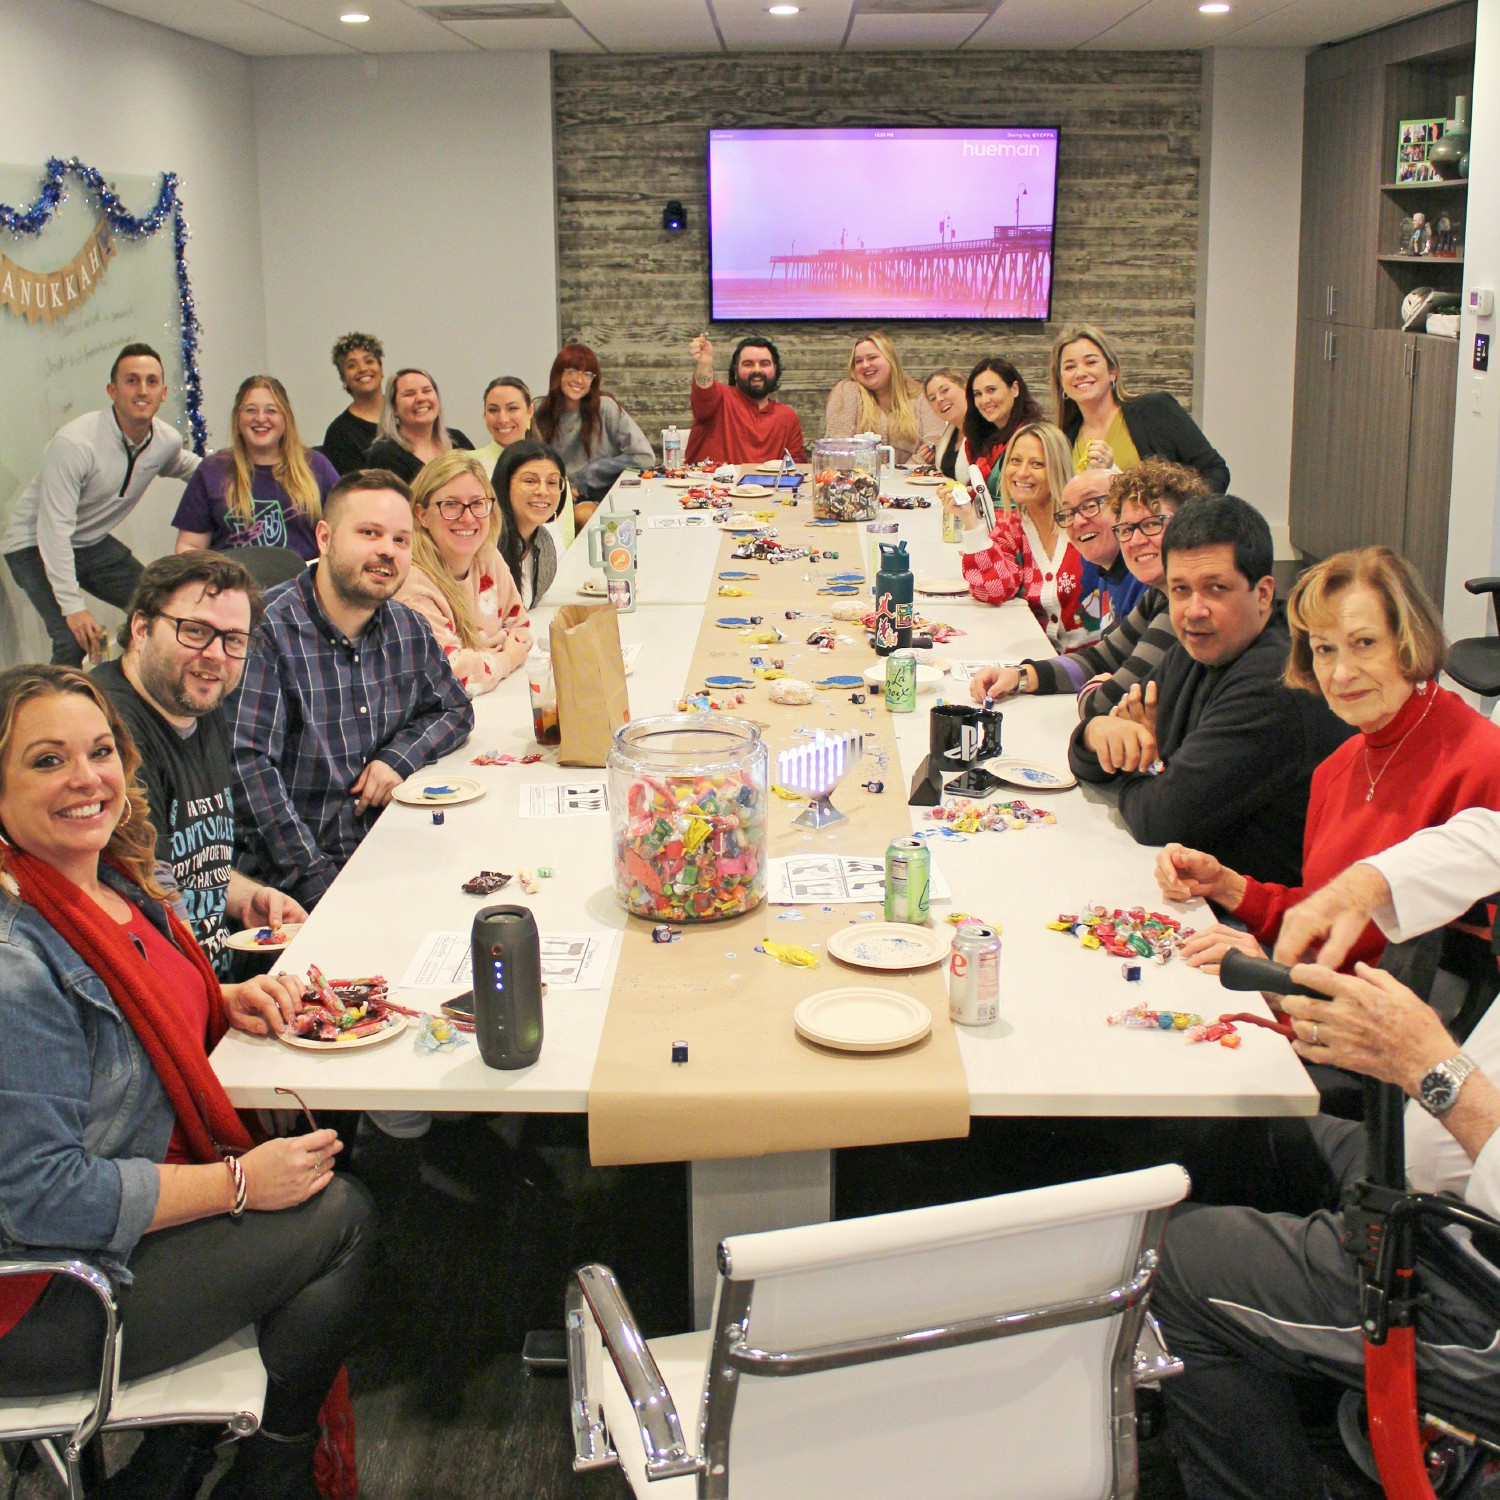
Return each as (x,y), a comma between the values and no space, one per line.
(1110,428)
(877,396)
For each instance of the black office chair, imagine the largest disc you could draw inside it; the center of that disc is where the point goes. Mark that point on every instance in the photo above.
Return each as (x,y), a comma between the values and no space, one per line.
(1474,663)
(272,565)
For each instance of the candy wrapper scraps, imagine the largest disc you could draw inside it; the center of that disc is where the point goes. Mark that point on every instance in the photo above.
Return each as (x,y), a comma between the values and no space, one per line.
(438,1034)
(790,953)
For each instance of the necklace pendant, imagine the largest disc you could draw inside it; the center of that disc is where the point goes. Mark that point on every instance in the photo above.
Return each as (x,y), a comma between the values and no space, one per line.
(1370,795)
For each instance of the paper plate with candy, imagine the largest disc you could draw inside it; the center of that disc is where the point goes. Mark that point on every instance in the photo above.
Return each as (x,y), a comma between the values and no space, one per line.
(342,1017)
(426,790)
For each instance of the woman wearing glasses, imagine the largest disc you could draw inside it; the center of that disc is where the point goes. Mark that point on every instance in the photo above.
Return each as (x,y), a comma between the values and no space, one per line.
(529,492)
(458,581)
(412,431)
(118,1142)
(594,435)
(265,490)
(1137,509)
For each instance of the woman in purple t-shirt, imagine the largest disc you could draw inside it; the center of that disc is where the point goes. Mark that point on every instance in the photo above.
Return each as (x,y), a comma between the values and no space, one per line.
(266,489)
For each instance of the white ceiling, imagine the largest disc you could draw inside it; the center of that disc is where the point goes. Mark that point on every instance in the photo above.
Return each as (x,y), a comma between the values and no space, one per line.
(273,28)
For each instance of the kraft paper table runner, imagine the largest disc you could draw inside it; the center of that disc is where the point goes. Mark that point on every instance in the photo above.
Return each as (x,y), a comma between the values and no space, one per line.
(752,1086)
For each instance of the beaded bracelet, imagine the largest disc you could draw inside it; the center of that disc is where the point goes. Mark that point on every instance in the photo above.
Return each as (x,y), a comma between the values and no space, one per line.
(241,1189)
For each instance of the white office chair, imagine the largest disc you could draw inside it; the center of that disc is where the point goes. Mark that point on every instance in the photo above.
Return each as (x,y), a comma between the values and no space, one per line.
(966,1351)
(225,1385)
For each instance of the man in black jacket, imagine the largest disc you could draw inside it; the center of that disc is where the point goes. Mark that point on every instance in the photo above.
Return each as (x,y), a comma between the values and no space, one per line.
(1217,751)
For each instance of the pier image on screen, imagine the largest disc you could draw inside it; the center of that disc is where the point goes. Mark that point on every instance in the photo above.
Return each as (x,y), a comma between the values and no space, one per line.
(881,223)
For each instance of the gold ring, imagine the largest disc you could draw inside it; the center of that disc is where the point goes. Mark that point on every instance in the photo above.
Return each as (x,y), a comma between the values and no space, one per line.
(1313,1039)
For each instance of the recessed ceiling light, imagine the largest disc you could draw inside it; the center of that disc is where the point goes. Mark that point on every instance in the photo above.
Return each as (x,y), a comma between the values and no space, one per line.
(1215,8)
(784,10)
(354,18)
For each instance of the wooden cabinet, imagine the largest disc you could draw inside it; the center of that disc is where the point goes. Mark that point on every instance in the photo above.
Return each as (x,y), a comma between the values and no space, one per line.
(1429,458)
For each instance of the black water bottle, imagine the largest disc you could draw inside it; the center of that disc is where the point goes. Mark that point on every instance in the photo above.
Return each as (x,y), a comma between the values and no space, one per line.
(507,959)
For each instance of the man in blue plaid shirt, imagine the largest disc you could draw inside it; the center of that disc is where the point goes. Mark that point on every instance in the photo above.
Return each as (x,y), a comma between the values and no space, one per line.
(346,695)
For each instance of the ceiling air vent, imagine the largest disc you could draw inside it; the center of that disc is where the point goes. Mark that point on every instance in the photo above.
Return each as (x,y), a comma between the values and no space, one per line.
(498,10)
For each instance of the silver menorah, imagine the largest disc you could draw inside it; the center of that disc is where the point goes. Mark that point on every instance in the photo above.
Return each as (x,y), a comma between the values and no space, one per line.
(816,768)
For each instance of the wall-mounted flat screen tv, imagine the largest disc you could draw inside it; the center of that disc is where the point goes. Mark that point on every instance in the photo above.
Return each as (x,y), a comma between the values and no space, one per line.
(881,223)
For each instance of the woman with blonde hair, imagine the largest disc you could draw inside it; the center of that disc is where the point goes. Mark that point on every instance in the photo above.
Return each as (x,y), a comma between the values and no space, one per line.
(266,489)
(412,431)
(458,582)
(1110,428)
(1028,554)
(877,396)
(1367,637)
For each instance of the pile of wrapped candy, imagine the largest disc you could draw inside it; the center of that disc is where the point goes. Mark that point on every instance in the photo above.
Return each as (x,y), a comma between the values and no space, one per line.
(702,496)
(1143,1018)
(692,848)
(845,495)
(990,817)
(706,703)
(341,1012)
(1132,933)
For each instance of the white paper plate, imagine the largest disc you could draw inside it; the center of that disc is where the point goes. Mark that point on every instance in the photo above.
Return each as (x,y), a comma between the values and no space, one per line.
(685,484)
(751,492)
(893,946)
(768,468)
(1034,775)
(593,588)
(244,942)
(862,1019)
(925,478)
(928,678)
(375,1038)
(411,794)
(926,584)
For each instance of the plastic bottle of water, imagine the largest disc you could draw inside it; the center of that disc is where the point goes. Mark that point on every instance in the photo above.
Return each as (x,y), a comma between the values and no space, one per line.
(671,448)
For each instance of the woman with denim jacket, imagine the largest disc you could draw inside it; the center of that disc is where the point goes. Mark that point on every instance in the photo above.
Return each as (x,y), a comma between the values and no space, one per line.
(117,1143)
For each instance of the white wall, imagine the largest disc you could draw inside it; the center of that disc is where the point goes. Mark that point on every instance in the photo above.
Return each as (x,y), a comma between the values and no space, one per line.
(1474,519)
(410,197)
(127,96)
(1251,209)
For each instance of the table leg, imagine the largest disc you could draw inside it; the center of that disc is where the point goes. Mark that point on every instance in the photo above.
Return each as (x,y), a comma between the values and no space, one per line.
(740,1195)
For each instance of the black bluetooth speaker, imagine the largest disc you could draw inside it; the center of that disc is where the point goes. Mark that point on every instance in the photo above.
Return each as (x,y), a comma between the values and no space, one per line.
(507,956)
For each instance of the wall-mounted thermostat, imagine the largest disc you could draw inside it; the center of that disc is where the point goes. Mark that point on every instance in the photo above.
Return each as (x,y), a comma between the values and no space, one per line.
(1482,303)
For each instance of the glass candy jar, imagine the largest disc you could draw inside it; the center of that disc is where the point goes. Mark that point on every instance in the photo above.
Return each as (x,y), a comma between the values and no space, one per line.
(846,477)
(687,810)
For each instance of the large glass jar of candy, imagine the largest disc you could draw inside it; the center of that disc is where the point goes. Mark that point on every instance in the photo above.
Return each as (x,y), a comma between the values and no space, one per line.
(687,809)
(846,478)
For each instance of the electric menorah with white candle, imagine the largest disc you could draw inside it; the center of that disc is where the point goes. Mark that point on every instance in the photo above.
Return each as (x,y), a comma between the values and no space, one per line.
(816,768)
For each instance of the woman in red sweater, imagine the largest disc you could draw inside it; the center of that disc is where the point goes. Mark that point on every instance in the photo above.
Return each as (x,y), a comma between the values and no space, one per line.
(1365,635)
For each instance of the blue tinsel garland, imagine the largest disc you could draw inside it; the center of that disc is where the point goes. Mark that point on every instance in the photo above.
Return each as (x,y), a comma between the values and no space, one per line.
(168,205)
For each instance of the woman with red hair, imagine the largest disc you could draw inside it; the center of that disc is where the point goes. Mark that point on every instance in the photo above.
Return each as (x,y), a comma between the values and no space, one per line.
(597,438)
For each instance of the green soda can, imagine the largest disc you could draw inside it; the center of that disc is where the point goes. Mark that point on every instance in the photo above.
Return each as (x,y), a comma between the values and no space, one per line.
(901,682)
(908,882)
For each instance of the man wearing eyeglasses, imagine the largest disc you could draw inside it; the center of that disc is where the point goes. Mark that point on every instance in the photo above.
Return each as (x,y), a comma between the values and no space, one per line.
(185,637)
(1216,747)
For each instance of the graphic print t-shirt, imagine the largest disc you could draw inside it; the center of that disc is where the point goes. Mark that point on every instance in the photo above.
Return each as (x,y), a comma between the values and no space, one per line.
(274,520)
(187,777)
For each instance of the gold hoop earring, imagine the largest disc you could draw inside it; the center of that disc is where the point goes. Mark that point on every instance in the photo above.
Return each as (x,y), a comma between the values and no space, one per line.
(129,811)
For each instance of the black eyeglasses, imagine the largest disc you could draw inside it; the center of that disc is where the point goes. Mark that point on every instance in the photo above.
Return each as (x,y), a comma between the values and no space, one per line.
(451,510)
(196,635)
(1151,526)
(1085,510)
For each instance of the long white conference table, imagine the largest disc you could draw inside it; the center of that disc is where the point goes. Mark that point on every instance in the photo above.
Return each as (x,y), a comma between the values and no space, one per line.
(1050,1053)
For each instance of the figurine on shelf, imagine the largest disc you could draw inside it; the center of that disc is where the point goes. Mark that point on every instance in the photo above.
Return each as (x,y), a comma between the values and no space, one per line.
(1421,235)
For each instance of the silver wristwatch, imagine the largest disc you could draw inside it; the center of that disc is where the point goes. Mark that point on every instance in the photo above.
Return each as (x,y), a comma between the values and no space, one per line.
(1438,1091)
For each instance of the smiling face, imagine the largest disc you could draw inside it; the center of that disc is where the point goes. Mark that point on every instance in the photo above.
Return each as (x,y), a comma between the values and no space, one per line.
(575,385)
(367,551)
(946,398)
(62,786)
(1357,663)
(755,371)
(535,491)
(1143,553)
(182,682)
(1087,518)
(1086,375)
(1216,611)
(993,398)
(871,368)
(262,424)
(361,373)
(459,535)
(416,401)
(507,414)
(1026,473)
(137,392)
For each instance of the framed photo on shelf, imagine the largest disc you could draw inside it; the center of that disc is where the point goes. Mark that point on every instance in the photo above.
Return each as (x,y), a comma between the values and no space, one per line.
(1414,140)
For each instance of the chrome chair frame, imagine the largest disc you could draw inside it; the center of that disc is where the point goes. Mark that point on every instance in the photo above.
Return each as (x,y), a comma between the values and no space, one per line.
(594,1295)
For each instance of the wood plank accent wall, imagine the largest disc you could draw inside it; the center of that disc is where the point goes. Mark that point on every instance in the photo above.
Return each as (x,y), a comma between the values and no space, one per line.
(632,132)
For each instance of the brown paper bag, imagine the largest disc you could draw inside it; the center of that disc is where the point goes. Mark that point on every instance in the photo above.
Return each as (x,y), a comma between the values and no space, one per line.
(592,701)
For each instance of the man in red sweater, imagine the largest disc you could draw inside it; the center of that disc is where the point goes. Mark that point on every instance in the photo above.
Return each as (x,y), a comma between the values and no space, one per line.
(739,423)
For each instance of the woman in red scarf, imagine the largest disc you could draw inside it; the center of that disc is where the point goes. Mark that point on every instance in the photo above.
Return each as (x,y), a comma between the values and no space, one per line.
(117,1142)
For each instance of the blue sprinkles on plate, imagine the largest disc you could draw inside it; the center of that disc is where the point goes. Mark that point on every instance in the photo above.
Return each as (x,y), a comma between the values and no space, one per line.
(732,622)
(729,681)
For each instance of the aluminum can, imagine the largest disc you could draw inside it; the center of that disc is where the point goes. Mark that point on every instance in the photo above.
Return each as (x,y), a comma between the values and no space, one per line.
(901,682)
(974,975)
(908,881)
(953,528)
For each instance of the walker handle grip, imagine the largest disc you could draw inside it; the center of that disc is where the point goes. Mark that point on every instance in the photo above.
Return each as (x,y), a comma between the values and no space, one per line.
(1238,971)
